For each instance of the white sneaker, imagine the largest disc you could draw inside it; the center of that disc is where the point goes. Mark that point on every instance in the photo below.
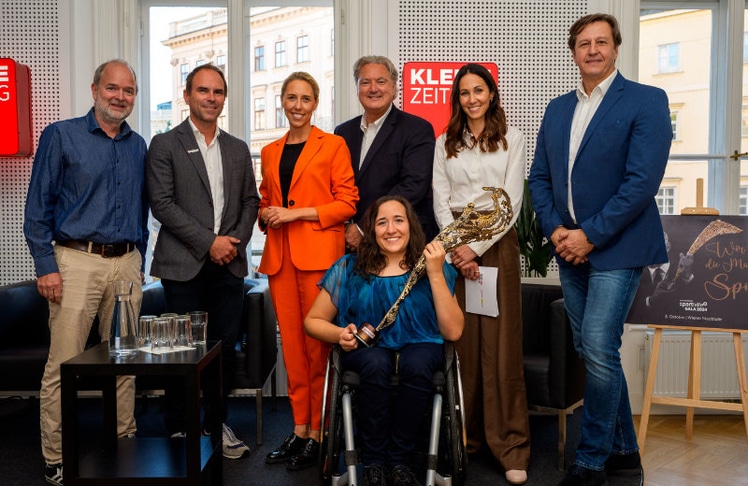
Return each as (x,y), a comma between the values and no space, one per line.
(233,448)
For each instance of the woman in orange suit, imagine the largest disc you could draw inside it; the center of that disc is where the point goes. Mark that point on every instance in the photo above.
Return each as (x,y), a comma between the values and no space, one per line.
(308,194)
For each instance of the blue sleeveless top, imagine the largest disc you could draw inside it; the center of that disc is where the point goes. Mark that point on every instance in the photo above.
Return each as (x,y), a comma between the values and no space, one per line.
(360,300)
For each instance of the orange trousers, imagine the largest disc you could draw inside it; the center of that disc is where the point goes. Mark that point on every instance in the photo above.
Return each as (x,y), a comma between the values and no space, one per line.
(293,292)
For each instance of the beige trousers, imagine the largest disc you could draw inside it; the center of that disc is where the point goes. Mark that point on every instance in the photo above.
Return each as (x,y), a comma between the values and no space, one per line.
(86,292)
(492,364)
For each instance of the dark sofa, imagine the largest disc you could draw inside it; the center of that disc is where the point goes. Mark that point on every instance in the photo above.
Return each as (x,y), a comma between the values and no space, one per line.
(24,338)
(554,373)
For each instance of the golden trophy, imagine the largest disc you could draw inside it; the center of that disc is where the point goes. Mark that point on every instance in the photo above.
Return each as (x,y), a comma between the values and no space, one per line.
(470,226)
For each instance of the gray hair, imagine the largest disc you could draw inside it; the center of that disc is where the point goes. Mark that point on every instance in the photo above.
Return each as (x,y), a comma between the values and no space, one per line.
(100,71)
(363,61)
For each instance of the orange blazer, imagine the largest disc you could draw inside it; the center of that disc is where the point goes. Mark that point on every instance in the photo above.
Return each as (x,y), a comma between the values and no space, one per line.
(323,179)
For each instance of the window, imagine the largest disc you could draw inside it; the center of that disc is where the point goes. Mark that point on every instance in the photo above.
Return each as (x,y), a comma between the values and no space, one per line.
(745,47)
(743,202)
(280,54)
(184,70)
(332,42)
(669,58)
(302,49)
(674,124)
(259,113)
(260,58)
(200,62)
(185,114)
(221,62)
(280,115)
(666,200)
(744,122)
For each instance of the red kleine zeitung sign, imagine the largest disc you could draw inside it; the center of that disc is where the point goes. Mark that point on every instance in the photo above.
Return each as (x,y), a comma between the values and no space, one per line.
(427,87)
(15,109)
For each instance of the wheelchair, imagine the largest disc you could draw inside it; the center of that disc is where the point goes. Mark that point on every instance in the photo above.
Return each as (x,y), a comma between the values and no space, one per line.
(442,450)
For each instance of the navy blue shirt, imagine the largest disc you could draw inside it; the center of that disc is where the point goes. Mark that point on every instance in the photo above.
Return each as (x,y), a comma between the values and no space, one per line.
(85,186)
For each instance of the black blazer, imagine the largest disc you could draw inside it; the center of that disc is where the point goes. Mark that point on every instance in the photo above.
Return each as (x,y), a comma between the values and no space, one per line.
(399,161)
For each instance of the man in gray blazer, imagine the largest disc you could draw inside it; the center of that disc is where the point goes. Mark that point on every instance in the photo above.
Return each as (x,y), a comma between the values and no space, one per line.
(201,188)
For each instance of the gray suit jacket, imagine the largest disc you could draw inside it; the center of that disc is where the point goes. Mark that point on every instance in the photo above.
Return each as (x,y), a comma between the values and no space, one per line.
(180,198)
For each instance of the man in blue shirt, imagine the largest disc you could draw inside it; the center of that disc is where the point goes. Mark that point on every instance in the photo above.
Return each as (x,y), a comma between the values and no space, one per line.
(86,214)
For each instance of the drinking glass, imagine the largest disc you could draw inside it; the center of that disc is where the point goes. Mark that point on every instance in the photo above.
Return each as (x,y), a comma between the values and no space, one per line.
(172,316)
(184,331)
(199,321)
(161,334)
(144,331)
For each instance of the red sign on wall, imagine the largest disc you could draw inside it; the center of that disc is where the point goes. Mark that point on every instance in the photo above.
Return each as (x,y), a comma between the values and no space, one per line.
(15,109)
(427,87)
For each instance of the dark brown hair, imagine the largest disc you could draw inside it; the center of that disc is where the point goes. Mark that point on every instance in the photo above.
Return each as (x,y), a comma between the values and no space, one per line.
(495,129)
(212,67)
(583,22)
(370,260)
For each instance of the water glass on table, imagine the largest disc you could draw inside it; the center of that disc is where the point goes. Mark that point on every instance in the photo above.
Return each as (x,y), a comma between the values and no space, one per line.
(161,339)
(144,331)
(184,330)
(172,316)
(199,322)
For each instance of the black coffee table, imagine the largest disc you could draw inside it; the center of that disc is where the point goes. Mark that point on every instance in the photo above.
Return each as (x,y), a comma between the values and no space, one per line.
(148,460)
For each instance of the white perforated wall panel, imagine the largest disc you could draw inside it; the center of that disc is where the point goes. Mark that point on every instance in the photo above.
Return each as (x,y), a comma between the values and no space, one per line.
(29,33)
(525,38)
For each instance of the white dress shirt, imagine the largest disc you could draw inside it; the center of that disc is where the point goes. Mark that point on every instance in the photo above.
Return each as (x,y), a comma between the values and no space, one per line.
(370,132)
(214,165)
(459,180)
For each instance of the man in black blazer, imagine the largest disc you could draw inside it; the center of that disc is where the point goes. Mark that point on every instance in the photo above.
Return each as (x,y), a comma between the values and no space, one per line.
(392,152)
(202,190)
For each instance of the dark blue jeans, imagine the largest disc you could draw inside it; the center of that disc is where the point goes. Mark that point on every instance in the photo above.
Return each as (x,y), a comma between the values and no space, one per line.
(388,424)
(597,302)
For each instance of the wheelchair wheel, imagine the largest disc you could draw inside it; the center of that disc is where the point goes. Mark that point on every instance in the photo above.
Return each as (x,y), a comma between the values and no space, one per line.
(456,437)
(332,421)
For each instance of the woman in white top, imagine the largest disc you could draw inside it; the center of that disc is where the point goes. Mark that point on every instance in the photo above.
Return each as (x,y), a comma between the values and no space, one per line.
(478,149)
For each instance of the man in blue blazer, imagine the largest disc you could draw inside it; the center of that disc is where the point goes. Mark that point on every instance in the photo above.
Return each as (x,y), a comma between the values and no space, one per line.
(392,152)
(600,157)
(202,190)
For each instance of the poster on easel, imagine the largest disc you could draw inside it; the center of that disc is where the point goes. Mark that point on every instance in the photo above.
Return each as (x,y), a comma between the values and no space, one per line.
(704,284)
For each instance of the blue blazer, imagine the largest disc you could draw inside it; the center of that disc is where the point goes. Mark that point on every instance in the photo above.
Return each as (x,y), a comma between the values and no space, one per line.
(615,177)
(399,161)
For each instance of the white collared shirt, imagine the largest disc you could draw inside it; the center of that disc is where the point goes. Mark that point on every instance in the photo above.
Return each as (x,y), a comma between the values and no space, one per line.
(370,132)
(214,165)
(583,113)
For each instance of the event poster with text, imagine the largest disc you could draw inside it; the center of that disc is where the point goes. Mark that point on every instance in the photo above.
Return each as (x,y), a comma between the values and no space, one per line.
(704,284)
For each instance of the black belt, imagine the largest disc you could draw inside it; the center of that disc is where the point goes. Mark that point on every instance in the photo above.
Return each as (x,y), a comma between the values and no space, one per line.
(106,250)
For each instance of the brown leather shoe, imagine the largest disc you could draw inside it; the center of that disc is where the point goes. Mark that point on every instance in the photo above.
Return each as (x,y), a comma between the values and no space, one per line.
(292,445)
(308,456)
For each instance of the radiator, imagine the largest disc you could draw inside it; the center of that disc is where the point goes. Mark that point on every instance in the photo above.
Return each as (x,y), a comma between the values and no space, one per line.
(719,376)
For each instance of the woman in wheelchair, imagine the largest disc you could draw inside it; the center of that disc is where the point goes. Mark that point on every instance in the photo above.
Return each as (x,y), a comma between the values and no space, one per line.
(361,288)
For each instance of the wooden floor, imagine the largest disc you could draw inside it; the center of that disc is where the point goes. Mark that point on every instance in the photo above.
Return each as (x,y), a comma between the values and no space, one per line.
(716,455)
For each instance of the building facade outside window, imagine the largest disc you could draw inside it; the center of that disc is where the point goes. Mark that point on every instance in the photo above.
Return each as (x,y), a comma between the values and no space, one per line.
(666,200)
(302,49)
(259,113)
(184,70)
(280,54)
(674,124)
(260,58)
(280,116)
(221,62)
(743,204)
(669,58)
